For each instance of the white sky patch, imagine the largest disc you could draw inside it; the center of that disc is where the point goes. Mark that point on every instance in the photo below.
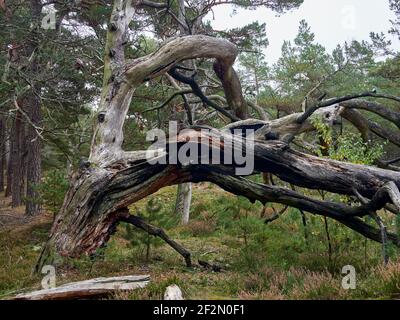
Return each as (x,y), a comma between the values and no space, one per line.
(333,22)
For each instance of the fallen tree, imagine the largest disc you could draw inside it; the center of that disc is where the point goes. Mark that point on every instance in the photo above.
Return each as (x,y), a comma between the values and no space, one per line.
(87,289)
(112,179)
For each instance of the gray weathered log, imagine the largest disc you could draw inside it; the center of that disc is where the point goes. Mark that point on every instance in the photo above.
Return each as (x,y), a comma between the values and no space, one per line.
(87,289)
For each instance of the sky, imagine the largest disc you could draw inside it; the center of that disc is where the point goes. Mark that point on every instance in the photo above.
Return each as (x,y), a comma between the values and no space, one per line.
(332,21)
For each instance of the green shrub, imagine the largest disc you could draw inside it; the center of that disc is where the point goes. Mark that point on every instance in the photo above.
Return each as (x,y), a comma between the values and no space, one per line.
(350,147)
(53,189)
(154,215)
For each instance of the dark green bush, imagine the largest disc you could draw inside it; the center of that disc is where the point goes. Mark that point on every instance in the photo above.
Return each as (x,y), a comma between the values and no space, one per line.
(52,190)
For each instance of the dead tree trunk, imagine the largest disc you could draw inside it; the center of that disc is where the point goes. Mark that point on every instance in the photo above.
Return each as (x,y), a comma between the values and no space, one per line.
(112,179)
(93,288)
(183,201)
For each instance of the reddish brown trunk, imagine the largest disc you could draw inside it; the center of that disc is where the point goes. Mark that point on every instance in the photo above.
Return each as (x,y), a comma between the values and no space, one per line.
(16,162)
(2,152)
(24,163)
(33,168)
(32,108)
(9,163)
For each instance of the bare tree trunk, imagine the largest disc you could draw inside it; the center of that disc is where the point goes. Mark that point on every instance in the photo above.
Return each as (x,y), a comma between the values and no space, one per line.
(184,192)
(34,167)
(24,162)
(2,151)
(32,107)
(16,161)
(183,201)
(9,161)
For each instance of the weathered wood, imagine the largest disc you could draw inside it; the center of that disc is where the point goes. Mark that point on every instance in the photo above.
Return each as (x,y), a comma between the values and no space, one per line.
(97,201)
(88,288)
(173,292)
(377,108)
(120,81)
(112,179)
(183,201)
(366,126)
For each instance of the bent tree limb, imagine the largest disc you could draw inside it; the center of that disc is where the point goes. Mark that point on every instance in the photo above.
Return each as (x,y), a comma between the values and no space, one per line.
(95,204)
(112,179)
(343,99)
(366,127)
(198,92)
(158,232)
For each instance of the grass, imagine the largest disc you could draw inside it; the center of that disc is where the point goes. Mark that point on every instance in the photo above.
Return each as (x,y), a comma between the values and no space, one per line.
(260,261)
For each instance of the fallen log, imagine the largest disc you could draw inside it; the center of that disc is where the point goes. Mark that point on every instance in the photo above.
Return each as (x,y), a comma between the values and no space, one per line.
(87,289)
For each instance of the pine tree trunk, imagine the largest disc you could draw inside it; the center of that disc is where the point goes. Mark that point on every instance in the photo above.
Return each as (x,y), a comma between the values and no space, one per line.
(24,162)
(9,161)
(2,152)
(16,162)
(33,169)
(32,107)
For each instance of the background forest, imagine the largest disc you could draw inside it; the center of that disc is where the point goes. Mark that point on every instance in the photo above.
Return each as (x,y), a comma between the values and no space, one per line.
(52,61)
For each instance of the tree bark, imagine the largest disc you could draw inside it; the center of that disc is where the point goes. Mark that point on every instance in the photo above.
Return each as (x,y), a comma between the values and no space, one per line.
(184,193)
(9,161)
(232,88)
(183,201)
(24,162)
(3,140)
(33,168)
(32,107)
(16,162)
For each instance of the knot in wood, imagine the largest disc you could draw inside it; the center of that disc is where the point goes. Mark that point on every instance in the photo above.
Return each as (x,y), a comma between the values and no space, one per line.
(101,117)
(84,164)
(113,27)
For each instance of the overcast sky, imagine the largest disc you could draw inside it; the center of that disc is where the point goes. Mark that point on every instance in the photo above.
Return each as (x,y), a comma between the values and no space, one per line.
(332,21)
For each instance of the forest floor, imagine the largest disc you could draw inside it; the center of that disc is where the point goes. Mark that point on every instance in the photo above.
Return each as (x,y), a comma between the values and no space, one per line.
(279,260)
